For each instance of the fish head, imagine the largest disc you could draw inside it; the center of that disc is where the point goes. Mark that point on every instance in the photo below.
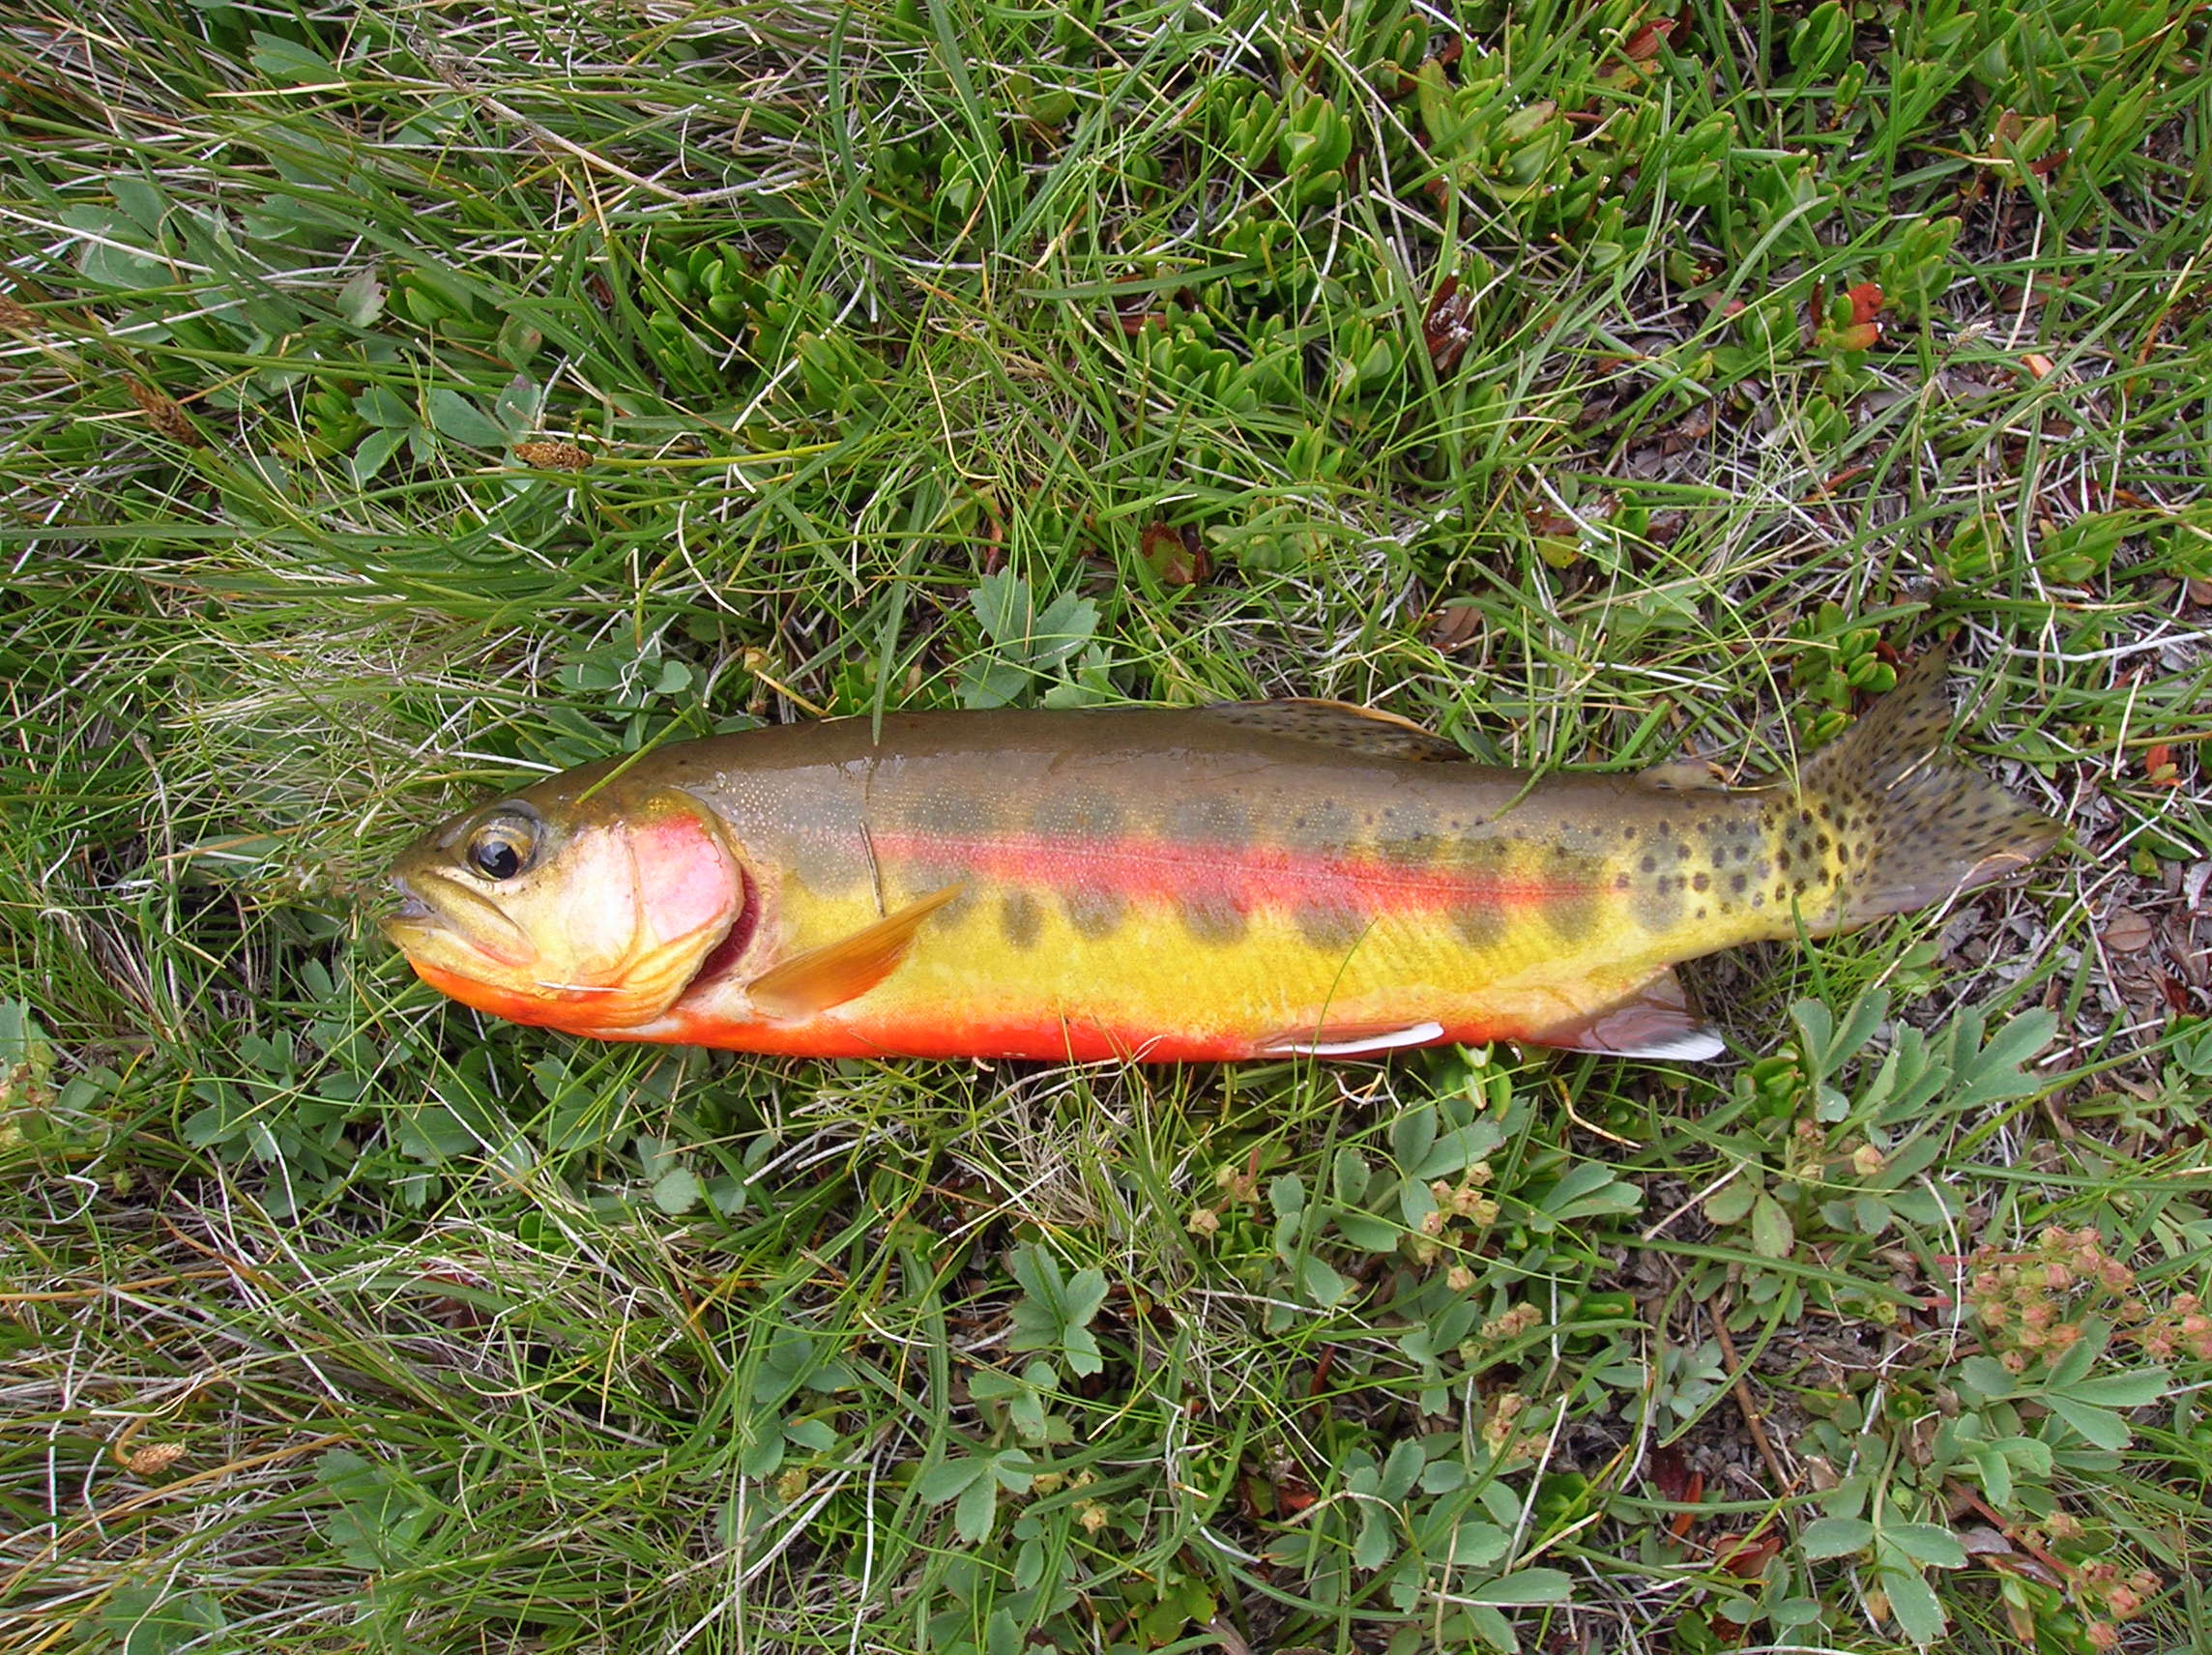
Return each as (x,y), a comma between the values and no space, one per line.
(588,903)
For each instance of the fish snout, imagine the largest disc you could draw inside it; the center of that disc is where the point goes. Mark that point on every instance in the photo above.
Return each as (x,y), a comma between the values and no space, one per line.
(399,912)
(411,909)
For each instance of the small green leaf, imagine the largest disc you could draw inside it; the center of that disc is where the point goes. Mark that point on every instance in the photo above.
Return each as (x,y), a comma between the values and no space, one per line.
(813,1435)
(288,63)
(945,1480)
(1322,1285)
(1588,1190)
(141,202)
(1729,1204)
(1771,1233)
(1410,1136)
(978,1505)
(374,454)
(2122,1390)
(1371,1545)
(361,301)
(1402,1468)
(1349,1176)
(1836,1537)
(455,416)
(1987,1375)
(1926,1543)
(1002,603)
(381,405)
(1913,1605)
(676,1191)
(148,1623)
(1365,1231)
(2100,1427)
(1062,630)
(1527,1587)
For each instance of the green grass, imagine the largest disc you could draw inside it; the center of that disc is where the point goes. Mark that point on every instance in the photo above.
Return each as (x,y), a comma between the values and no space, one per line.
(398,402)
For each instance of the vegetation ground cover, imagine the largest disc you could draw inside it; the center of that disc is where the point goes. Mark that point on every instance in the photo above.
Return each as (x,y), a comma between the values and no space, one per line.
(403,399)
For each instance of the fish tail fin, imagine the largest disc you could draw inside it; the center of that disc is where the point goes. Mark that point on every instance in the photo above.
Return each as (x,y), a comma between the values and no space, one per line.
(1912,826)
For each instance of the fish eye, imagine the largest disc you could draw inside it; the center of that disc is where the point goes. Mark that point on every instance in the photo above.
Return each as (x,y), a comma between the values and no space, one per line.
(502,847)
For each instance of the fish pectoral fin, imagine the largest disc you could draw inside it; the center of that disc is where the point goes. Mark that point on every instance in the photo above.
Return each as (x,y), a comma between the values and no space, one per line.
(1347,1039)
(844,970)
(1337,724)
(1656,1021)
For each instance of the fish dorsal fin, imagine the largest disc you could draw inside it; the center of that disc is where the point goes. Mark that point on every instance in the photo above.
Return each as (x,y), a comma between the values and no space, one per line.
(1656,1021)
(1360,730)
(844,970)
(1348,1039)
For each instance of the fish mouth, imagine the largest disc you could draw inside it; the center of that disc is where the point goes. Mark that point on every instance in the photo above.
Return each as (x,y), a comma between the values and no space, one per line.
(411,909)
(440,911)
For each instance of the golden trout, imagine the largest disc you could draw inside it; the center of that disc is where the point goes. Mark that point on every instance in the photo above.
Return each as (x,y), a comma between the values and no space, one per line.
(1241,881)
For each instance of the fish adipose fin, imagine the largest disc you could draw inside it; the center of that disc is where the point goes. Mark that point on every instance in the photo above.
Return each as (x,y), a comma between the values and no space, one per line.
(1337,724)
(1918,826)
(1656,1021)
(844,970)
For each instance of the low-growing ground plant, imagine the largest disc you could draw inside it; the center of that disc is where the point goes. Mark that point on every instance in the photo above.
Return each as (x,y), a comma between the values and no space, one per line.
(399,401)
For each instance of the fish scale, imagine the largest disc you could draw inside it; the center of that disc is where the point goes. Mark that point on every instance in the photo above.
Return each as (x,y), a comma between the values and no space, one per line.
(1215,882)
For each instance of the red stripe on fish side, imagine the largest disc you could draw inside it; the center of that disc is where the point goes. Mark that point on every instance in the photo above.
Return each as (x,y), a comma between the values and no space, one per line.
(1252,877)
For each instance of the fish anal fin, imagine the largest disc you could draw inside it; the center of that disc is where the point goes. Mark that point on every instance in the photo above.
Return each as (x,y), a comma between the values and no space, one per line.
(837,971)
(1655,1021)
(1363,730)
(1347,1039)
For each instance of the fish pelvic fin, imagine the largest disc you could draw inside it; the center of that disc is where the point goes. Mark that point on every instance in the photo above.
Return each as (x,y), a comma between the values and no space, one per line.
(1912,826)
(835,973)
(1347,1039)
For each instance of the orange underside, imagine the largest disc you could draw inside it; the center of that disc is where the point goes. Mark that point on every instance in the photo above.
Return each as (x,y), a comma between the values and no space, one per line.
(1057,1041)
(516,1006)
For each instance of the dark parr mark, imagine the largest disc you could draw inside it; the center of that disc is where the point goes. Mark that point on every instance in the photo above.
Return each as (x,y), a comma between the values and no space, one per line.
(954,815)
(1207,822)
(1019,919)
(1077,816)
(1093,914)
(1479,924)
(1210,917)
(1323,825)
(1334,926)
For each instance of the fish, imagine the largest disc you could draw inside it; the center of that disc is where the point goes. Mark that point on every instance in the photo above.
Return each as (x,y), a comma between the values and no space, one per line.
(1249,880)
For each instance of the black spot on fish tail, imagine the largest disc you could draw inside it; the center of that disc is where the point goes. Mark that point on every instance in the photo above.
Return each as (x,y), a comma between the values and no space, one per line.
(1912,825)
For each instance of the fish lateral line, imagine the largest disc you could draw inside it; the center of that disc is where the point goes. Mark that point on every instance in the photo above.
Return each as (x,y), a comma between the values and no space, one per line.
(1282,876)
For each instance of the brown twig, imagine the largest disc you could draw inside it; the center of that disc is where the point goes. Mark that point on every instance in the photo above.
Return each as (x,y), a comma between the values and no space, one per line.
(1740,1388)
